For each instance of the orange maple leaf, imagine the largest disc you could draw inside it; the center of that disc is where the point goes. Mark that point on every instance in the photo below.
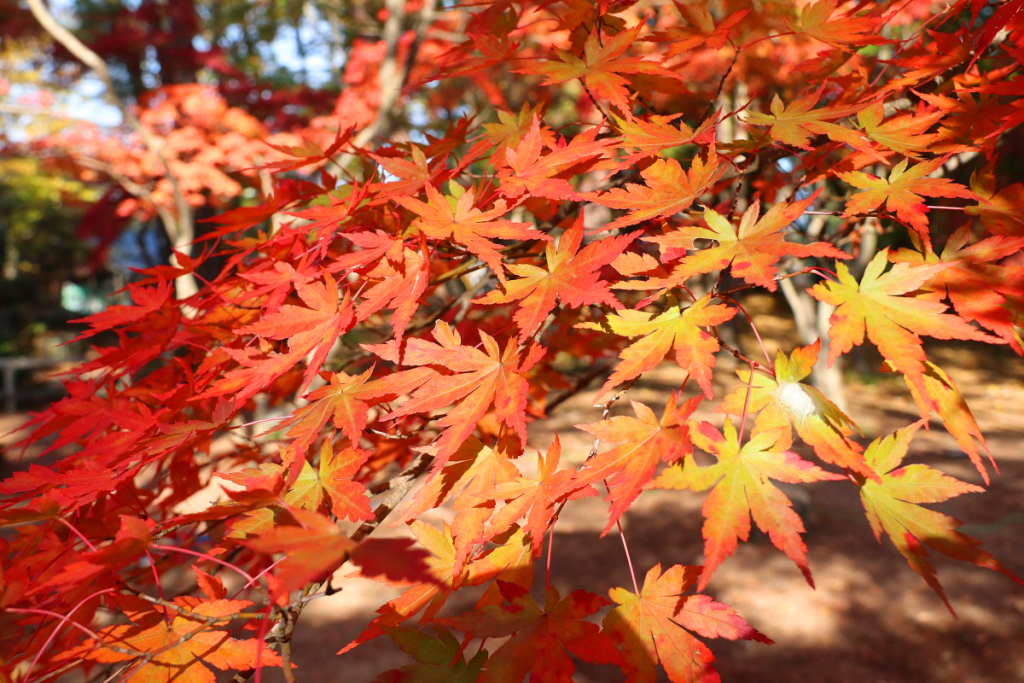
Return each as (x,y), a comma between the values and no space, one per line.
(741,489)
(315,327)
(472,379)
(655,627)
(534,499)
(472,471)
(1002,211)
(980,290)
(345,402)
(676,329)
(455,218)
(313,547)
(529,171)
(668,191)
(796,123)
(893,507)
(642,442)
(945,398)
(700,29)
(178,646)
(879,306)
(816,21)
(396,279)
(783,400)
(902,192)
(904,134)
(648,136)
(752,249)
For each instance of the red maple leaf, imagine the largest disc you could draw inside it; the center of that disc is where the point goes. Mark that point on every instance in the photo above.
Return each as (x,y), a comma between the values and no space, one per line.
(315,326)
(572,275)
(471,379)
(541,639)
(538,174)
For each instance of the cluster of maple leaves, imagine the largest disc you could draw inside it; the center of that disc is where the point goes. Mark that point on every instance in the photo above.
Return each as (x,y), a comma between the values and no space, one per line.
(409,324)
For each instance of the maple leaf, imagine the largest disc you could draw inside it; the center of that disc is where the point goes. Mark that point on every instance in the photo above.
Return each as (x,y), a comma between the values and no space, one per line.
(676,329)
(753,249)
(400,276)
(275,283)
(472,471)
(902,192)
(440,658)
(700,31)
(877,306)
(443,578)
(979,292)
(179,646)
(796,123)
(600,67)
(945,398)
(133,538)
(893,507)
(541,639)
(668,191)
(1002,211)
(331,483)
(147,300)
(902,134)
(649,135)
(211,586)
(474,380)
(655,627)
(313,548)
(643,441)
(261,487)
(345,402)
(816,21)
(410,174)
(535,499)
(349,498)
(741,489)
(784,401)
(455,218)
(512,128)
(316,327)
(572,275)
(544,175)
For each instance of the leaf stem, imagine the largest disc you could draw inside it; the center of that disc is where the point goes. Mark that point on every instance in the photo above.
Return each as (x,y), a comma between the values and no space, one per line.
(746,401)
(629,560)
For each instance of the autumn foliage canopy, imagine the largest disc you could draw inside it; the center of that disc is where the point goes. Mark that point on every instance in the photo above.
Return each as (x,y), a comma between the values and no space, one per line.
(391,318)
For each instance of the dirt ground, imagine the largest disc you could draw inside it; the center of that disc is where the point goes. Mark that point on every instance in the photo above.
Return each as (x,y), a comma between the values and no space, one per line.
(870,618)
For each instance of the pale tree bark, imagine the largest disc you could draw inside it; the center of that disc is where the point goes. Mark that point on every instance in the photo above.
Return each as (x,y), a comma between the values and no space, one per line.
(392,75)
(178,222)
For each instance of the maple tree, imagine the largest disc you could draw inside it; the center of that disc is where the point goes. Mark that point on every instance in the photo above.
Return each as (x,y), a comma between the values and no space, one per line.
(607,183)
